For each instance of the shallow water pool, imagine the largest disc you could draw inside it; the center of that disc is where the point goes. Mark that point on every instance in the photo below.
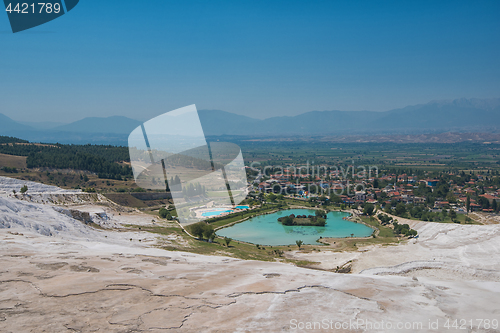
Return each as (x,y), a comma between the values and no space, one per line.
(266,230)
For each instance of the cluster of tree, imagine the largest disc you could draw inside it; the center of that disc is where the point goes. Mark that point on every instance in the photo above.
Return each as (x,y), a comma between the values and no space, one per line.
(94,158)
(115,176)
(384,219)
(174,181)
(271,197)
(334,199)
(421,212)
(252,174)
(441,191)
(368,209)
(277,252)
(193,190)
(9,170)
(202,231)
(79,161)
(165,214)
(485,204)
(287,220)
(108,152)
(439,216)
(124,190)
(250,202)
(293,219)
(9,139)
(404,229)
(238,184)
(186,161)
(320,213)
(398,210)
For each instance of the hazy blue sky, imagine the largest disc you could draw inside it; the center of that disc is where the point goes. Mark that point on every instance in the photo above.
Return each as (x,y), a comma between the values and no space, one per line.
(259,58)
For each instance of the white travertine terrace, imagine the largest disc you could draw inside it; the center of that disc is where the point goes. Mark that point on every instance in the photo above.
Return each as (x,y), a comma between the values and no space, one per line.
(58,274)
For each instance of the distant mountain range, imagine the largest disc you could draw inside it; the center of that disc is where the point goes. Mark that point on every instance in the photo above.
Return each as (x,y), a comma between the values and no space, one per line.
(115,125)
(43,125)
(111,130)
(8,125)
(461,115)
(473,115)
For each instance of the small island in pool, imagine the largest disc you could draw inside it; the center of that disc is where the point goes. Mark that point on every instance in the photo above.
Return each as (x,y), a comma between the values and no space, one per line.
(318,220)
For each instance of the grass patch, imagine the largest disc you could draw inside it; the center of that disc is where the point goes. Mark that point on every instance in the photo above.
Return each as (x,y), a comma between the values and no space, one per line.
(161,230)
(125,199)
(384,231)
(235,249)
(12,161)
(460,217)
(297,202)
(385,236)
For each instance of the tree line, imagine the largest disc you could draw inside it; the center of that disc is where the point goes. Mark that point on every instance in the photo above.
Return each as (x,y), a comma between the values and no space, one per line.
(9,139)
(100,159)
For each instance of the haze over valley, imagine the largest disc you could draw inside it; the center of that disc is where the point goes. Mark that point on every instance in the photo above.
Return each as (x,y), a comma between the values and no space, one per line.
(459,116)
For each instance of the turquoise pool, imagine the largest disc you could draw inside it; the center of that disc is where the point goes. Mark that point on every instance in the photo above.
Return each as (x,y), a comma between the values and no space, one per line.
(266,230)
(216,212)
(242,207)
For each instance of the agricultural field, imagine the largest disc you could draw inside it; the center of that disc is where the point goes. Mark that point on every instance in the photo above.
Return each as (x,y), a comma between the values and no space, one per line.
(424,156)
(11,161)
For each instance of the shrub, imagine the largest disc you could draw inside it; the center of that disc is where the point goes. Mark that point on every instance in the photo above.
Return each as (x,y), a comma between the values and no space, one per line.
(164,213)
(202,230)
(404,229)
(368,209)
(9,170)
(320,213)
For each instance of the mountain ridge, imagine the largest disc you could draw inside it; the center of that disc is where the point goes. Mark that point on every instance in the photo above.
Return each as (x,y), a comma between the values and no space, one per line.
(459,115)
(112,124)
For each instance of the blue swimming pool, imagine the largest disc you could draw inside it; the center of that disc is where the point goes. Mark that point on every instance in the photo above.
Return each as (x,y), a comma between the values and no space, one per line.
(216,212)
(242,207)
